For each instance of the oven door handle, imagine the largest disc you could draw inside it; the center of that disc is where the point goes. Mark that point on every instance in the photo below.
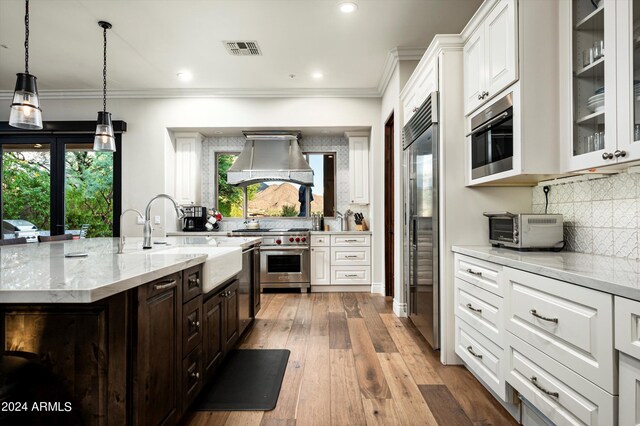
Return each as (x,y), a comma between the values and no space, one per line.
(506,215)
(280,248)
(488,124)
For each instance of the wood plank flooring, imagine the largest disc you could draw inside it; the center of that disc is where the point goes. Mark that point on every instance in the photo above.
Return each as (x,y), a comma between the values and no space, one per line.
(353,362)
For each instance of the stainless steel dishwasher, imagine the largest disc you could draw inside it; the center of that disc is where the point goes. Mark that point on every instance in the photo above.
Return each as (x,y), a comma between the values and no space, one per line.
(245,290)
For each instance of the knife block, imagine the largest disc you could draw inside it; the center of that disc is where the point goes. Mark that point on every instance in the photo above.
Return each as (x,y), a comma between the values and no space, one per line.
(363,226)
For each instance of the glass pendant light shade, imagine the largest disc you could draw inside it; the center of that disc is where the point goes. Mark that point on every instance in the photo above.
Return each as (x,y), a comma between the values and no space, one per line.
(25,108)
(104,139)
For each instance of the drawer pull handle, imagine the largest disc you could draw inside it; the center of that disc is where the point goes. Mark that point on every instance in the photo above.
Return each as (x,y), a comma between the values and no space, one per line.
(534,380)
(472,272)
(471,308)
(164,285)
(537,315)
(350,275)
(472,352)
(350,256)
(350,241)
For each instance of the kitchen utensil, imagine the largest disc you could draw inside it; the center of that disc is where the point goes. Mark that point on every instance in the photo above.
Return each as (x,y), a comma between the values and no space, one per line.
(212,220)
(252,224)
(209,226)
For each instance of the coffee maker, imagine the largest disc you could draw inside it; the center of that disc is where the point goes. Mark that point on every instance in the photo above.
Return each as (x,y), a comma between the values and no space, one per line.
(195,219)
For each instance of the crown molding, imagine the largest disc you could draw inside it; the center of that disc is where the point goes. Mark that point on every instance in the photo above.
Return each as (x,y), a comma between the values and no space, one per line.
(204,93)
(394,56)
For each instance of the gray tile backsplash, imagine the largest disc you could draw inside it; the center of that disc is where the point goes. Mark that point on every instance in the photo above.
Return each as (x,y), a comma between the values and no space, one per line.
(600,215)
(337,144)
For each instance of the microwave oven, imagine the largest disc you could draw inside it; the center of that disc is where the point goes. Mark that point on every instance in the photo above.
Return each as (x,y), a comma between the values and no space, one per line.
(492,138)
(526,231)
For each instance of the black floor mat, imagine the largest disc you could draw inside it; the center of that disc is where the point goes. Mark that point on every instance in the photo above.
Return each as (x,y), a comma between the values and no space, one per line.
(249,380)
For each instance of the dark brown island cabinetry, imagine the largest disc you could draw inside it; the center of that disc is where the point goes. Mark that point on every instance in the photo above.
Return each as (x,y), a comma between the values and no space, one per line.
(139,357)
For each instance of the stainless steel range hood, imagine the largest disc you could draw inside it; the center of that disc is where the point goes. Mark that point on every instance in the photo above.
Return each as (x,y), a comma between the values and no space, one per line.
(268,156)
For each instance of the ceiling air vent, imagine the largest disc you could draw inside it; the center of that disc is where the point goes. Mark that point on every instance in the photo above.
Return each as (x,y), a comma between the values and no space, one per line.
(243,48)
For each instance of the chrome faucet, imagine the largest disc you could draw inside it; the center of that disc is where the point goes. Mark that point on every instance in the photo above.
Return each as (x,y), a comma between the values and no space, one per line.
(147,218)
(340,219)
(121,240)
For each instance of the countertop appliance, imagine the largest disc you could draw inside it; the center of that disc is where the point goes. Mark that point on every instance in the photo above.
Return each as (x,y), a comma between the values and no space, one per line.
(18,228)
(194,219)
(421,231)
(492,138)
(526,231)
(284,257)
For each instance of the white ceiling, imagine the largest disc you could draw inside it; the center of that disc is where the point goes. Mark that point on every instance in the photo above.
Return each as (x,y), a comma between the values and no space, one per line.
(151,41)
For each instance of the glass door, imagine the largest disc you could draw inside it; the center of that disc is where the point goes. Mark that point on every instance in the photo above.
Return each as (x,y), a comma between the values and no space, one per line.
(593,84)
(26,189)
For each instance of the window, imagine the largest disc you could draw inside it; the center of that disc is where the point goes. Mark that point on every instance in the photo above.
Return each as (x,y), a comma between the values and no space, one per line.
(58,185)
(278,199)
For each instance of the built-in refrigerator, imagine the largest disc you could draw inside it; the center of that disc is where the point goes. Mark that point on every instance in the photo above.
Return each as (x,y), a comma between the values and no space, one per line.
(420,144)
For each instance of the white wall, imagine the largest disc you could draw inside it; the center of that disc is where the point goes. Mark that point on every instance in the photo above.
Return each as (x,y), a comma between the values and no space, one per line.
(391,104)
(148,160)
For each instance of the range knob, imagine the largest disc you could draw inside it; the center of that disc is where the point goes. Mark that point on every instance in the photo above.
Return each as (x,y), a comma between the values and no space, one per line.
(304,239)
(297,239)
(278,242)
(290,239)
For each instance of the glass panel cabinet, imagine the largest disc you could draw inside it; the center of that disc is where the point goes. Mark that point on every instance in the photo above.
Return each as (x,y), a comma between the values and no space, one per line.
(602,65)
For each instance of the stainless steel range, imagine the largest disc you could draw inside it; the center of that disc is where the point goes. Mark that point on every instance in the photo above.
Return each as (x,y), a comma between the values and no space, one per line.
(284,257)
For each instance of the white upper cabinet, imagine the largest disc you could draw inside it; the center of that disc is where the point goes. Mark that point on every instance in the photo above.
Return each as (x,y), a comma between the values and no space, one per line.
(423,81)
(599,49)
(501,62)
(187,178)
(358,167)
(490,54)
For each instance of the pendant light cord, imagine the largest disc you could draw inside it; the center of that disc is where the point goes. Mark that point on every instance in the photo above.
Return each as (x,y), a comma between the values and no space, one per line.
(26,38)
(104,71)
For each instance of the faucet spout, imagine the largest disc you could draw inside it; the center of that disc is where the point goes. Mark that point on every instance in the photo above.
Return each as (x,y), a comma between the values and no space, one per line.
(121,240)
(147,218)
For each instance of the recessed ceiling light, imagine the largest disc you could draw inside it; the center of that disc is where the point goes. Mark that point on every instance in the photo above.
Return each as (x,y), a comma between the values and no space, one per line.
(218,132)
(185,75)
(317,75)
(348,7)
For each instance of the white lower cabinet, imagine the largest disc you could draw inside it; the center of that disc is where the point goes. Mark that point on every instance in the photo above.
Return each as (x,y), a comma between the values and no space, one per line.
(565,397)
(629,403)
(320,265)
(340,259)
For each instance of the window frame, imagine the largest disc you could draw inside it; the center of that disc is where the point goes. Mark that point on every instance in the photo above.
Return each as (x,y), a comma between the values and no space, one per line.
(244,189)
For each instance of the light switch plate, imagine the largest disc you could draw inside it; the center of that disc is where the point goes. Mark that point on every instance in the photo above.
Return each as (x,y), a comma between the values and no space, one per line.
(140,221)
(156,220)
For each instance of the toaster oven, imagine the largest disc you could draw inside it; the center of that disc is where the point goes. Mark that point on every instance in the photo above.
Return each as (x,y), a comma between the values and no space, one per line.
(526,231)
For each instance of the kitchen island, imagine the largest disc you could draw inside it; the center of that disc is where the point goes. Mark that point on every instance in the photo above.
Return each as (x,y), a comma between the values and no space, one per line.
(125,338)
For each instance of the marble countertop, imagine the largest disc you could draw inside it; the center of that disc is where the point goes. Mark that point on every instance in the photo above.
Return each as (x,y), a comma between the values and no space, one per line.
(41,273)
(614,275)
(340,232)
(210,239)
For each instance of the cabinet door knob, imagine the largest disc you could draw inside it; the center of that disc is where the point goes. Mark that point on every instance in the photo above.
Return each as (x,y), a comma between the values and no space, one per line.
(195,375)
(479,97)
(618,153)
(607,156)
(195,324)
(415,109)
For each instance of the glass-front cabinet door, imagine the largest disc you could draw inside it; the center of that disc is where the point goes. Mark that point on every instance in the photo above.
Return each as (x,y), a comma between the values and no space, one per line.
(593,135)
(628,80)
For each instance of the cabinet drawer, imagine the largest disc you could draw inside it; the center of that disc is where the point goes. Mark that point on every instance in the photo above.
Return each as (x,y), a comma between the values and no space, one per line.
(350,240)
(191,324)
(350,256)
(351,275)
(485,275)
(627,326)
(569,323)
(629,404)
(565,397)
(192,377)
(191,283)
(482,356)
(480,309)
(320,241)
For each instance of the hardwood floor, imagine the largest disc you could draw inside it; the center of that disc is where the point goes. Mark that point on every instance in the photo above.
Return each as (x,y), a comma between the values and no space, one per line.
(353,362)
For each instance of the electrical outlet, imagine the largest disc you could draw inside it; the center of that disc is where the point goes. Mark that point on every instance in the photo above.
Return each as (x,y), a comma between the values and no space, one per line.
(156,220)
(140,220)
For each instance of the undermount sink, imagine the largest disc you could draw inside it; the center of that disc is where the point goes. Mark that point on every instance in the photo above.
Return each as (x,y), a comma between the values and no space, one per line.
(222,263)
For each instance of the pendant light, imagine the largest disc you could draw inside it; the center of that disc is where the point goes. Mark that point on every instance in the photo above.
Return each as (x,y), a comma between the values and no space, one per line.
(104,140)
(25,108)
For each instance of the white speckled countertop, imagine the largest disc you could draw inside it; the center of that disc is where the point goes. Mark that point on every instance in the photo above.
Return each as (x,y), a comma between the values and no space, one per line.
(340,232)
(614,275)
(40,273)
